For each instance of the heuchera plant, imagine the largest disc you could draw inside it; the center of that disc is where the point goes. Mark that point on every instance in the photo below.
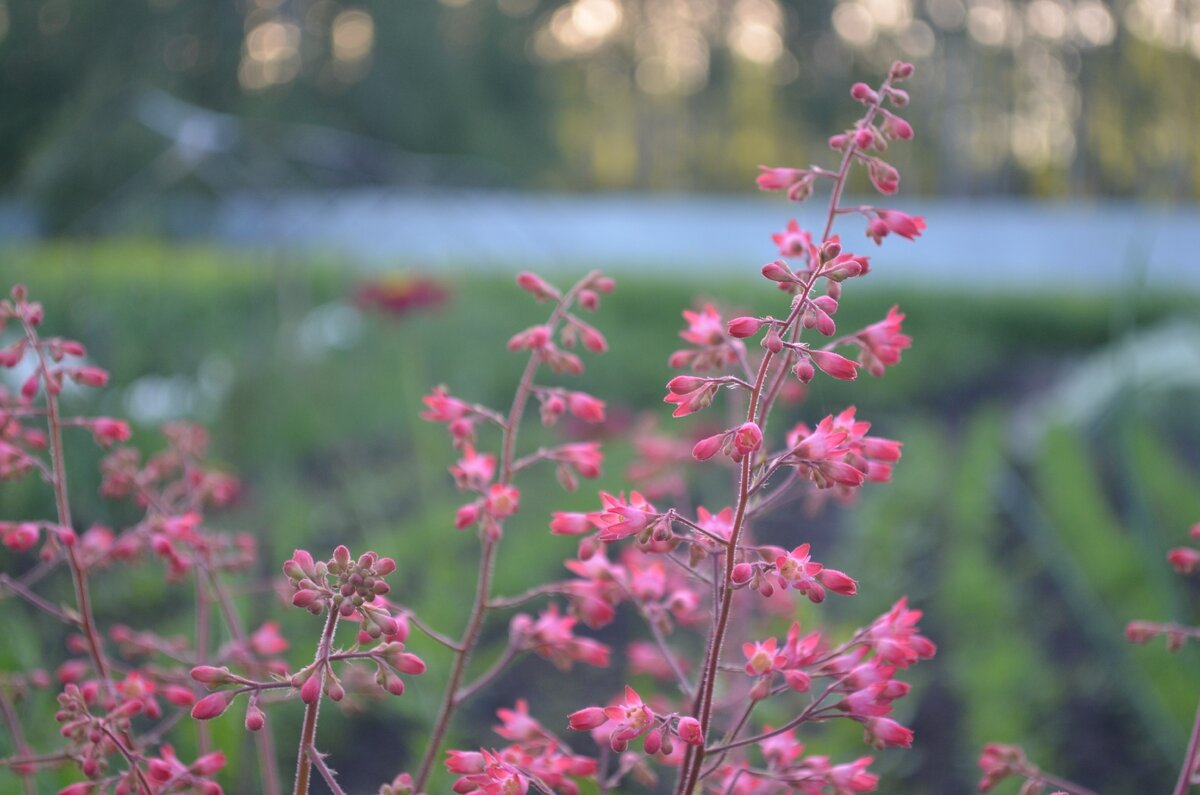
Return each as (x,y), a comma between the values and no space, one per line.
(700,573)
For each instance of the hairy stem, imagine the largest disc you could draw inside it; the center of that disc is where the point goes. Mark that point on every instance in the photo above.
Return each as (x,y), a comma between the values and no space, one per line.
(83,599)
(308,734)
(487,562)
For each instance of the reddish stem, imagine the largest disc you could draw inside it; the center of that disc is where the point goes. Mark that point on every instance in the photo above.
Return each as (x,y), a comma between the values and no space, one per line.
(487,563)
(694,760)
(83,601)
(308,734)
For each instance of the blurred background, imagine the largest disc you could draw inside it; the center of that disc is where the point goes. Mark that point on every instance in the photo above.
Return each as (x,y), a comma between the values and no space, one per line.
(288,219)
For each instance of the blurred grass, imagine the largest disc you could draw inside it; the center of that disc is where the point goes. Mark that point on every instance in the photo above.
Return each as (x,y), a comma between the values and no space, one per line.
(329,446)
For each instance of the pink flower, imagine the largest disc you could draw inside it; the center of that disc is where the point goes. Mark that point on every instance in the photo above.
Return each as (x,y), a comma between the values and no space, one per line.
(704,327)
(534,338)
(1184,560)
(634,718)
(20,537)
(587,719)
(838,582)
(903,224)
(213,705)
(689,402)
(89,376)
(443,407)
(502,501)
(835,364)
(853,777)
(894,636)
(885,732)
(586,407)
(778,178)
(553,636)
(621,518)
(570,524)
(473,471)
(517,724)
(585,458)
(108,431)
(537,286)
(689,731)
(884,177)
(793,241)
(747,439)
(266,640)
(760,656)
(798,570)
(709,446)
(742,327)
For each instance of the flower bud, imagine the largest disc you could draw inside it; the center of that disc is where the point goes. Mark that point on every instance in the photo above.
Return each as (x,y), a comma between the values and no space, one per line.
(707,447)
(689,731)
(778,271)
(213,705)
(742,327)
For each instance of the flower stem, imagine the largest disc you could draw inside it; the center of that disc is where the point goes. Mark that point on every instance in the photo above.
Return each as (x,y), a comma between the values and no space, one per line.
(308,734)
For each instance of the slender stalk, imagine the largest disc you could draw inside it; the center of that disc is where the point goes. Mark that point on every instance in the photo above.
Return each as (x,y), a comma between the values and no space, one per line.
(83,599)
(203,615)
(694,760)
(14,728)
(474,624)
(264,739)
(467,691)
(487,563)
(1184,783)
(20,590)
(308,734)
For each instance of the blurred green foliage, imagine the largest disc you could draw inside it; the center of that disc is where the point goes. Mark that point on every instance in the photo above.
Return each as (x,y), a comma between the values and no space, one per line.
(1028,557)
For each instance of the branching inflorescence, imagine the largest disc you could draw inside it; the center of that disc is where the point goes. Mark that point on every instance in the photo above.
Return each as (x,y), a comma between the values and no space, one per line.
(699,579)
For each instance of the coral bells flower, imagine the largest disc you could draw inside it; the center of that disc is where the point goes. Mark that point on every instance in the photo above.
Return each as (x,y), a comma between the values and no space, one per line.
(443,407)
(998,762)
(552,636)
(834,364)
(853,777)
(760,656)
(793,241)
(797,182)
(585,407)
(1184,560)
(689,731)
(778,178)
(881,342)
(622,518)
(746,439)
(502,501)
(704,327)
(690,394)
(633,719)
(798,570)
(213,705)
(497,778)
(907,226)
(108,431)
(473,471)
(894,638)
(742,327)
(885,733)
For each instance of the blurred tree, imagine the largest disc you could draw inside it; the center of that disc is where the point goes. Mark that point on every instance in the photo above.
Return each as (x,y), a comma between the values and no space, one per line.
(1045,97)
